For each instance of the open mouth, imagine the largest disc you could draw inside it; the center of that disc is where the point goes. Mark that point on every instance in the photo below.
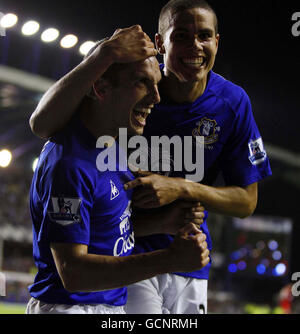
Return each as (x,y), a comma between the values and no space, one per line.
(193,62)
(139,116)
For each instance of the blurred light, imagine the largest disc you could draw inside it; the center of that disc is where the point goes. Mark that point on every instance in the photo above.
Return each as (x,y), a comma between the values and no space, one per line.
(260,245)
(68,41)
(280,269)
(273,244)
(86,47)
(30,28)
(49,35)
(232,268)
(261,269)
(5,158)
(265,262)
(243,252)
(276,255)
(235,255)
(8,20)
(242,265)
(34,164)
(255,253)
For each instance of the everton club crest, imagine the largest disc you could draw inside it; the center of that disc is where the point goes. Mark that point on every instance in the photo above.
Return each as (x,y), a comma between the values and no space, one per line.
(207,128)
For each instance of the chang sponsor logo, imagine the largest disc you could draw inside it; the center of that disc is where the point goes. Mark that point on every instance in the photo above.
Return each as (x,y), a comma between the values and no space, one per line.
(123,245)
(126,241)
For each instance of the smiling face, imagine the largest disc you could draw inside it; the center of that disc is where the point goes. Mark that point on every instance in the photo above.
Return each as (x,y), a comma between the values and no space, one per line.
(189,44)
(136,94)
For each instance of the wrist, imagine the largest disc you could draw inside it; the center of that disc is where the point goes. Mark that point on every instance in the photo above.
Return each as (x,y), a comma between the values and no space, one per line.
(168,260)
(102,56)
(184,189)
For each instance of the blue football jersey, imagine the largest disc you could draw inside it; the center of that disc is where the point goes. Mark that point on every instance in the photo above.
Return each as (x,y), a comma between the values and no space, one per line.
(71,201)
(232,143)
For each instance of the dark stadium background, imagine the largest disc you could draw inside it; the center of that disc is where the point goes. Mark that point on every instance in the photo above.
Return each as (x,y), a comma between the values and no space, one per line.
(257,51)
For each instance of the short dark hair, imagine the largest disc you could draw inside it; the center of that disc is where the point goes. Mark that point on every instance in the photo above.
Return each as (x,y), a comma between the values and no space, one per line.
(176,6)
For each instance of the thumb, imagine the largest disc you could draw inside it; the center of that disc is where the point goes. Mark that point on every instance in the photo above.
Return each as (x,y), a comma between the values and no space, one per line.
(116,31)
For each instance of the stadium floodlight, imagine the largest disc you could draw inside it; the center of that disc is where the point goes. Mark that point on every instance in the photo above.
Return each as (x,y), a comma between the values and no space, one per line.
(85,47)
(49,35)
(5,158)
(8,20)
(30,28)
(68,41)
(34,163)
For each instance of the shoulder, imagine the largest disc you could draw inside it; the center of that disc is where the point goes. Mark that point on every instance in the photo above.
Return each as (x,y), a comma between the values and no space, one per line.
(231,93)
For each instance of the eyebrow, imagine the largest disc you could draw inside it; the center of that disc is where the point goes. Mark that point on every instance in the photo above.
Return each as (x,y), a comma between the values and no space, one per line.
(203,30)
(144,76)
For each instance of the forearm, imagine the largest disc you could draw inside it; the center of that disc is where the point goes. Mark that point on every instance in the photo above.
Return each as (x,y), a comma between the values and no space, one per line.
(60,102)
(229,200)
(96,272)
(81,271)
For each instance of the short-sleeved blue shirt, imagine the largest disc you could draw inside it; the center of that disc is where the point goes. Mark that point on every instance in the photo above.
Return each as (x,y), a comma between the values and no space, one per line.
(71,201)
(232,143)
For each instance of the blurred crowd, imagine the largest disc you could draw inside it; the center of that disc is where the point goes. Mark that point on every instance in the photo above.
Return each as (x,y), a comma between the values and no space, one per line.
(14,197)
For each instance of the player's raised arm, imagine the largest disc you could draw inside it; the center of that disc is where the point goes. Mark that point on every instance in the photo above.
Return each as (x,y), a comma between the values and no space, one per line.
(60,102)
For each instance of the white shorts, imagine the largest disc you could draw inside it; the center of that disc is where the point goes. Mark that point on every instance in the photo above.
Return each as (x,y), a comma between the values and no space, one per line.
(167,294)
(36,306)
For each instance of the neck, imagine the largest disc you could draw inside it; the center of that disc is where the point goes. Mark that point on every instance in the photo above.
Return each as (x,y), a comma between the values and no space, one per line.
(95,119)
(179,91)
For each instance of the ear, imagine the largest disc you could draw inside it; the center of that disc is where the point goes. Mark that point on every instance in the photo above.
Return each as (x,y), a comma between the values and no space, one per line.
(217,41)
(159,43)
(101,88)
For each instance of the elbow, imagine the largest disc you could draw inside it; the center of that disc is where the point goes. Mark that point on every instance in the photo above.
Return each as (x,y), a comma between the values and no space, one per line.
(36,126)
(69,285)
(69,278)
(248,209)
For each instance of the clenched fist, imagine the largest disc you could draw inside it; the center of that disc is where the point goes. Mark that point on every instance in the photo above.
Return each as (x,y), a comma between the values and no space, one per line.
(189,249)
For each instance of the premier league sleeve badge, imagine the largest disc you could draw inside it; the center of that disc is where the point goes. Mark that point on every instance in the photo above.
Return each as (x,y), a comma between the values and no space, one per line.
(66,211)
(257,151)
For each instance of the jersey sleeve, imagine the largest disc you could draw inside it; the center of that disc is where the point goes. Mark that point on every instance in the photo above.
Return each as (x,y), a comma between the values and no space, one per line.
(69,205)
(245,160)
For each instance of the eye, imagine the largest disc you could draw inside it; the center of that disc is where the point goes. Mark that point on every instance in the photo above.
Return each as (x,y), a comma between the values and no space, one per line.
(141,82)
(180,36)
(204,35)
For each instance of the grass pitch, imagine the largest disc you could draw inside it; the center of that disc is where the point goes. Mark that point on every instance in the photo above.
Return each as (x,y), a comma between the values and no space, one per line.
(10,308)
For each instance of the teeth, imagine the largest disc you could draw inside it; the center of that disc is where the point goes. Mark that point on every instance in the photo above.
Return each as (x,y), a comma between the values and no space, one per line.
(193,61)
(143,111)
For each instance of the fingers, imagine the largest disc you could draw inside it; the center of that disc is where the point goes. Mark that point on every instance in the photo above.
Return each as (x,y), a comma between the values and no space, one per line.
(131,44)
(191,228)
(205,259)
(137,182)
(194,215)
(133,184)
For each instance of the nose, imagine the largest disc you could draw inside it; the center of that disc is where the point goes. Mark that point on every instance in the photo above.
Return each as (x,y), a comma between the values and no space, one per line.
(153,96)
(156,96)
(197,43)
